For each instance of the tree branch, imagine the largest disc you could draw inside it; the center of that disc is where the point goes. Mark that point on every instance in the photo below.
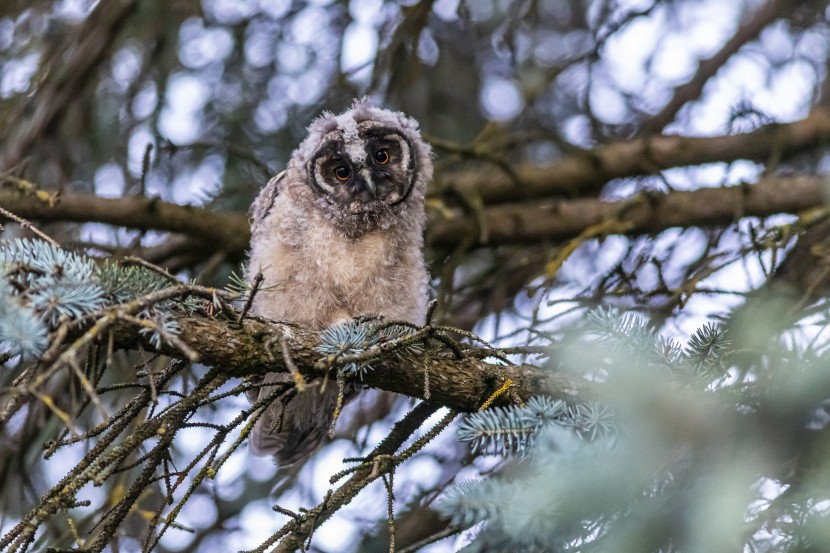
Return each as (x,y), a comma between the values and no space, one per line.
(362,477)
(460,384)
(575,174)
(506,224)
(560,220)
(81,53)
(707,68)
(586,172)
(228,231)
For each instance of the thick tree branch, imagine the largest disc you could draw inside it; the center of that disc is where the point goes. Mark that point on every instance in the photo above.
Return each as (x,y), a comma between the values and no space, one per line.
(225,231)
(558,220)
(460,384)
(586,172)
(575,174)
(507,224)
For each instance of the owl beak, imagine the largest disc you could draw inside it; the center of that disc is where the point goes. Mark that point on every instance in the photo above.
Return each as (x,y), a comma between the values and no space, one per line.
(367,182)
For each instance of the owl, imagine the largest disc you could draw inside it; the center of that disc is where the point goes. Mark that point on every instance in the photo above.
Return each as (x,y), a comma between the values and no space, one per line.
(338,235)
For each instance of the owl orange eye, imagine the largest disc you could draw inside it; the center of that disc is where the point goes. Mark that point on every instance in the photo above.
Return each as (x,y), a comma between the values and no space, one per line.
(342,173)
(382,156)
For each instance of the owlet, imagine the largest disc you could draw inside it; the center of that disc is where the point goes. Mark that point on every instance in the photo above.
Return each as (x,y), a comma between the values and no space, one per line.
(337,235)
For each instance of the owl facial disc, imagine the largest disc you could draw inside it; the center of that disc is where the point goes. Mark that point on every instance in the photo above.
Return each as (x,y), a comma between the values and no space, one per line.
(363,167)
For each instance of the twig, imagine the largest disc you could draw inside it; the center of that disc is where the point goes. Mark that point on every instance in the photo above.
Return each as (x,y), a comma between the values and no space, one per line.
(27,225)
(145,168)
(489,401)
(296,532)
(341,392)
(707,68)
(388,482)
(132,260)
(250,300)
(299,381)
(445,533)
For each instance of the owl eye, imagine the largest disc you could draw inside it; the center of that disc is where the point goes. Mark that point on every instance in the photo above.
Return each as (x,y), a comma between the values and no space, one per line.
(382,156)
(342,173)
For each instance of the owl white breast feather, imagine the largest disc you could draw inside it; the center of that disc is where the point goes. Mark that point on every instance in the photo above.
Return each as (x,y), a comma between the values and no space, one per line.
(338,235)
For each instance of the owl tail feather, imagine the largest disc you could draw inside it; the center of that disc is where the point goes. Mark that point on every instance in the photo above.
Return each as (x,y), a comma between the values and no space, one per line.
(292,432)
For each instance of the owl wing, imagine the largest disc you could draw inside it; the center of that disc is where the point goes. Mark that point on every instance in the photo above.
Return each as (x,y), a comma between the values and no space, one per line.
(265,201)
(258,212)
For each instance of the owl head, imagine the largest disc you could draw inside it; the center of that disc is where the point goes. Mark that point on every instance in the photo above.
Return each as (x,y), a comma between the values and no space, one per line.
(366,168)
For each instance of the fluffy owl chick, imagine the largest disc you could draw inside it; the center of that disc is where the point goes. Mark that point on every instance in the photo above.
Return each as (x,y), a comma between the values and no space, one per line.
(337,235)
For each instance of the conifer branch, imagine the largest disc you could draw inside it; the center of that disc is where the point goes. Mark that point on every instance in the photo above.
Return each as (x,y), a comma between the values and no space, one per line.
(461,384)
(514,223)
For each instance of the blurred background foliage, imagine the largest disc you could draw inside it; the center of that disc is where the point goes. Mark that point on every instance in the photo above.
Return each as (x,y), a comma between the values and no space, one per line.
(200,102)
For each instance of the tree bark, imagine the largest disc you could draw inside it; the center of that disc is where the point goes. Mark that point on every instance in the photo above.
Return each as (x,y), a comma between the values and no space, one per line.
(253,347)
(551,220)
